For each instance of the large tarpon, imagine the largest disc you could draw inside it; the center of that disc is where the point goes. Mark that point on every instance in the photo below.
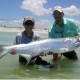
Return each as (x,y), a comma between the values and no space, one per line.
(59,45)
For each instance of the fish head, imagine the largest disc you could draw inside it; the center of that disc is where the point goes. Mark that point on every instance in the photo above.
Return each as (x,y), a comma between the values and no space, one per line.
(74,46)
(77,42)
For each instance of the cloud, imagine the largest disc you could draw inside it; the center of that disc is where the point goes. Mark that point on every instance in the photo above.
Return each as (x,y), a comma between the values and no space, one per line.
(36,7)
(2,22)
(42,24)
(11,23)
(15,23)
(71,11)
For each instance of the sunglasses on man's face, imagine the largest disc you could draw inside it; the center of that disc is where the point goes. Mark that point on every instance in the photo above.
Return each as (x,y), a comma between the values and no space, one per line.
(29,24)
(28,27)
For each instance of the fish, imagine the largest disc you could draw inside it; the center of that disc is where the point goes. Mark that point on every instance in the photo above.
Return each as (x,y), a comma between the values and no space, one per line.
(32,49)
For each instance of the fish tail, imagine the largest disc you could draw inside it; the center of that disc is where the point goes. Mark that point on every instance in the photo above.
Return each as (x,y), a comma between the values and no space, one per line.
(1,48)
(2,52)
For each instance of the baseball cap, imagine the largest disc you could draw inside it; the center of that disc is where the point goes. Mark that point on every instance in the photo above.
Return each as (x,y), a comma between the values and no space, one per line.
(29,18)
(58,9)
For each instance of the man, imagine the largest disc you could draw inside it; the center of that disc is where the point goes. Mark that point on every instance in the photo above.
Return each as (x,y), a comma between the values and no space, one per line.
(61,28)
(26,37)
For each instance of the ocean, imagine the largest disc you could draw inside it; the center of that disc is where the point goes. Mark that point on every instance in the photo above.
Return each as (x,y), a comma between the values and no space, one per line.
(11,69)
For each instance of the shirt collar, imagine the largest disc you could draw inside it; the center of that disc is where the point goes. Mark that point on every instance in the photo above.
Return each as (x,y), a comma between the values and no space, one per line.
(65,21)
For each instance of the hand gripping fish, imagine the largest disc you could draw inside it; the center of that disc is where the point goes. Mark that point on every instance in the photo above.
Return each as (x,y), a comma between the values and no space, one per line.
(59,45)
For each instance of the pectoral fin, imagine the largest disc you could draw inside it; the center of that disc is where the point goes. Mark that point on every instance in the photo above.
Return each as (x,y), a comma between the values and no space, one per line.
(27,57)
(62,50)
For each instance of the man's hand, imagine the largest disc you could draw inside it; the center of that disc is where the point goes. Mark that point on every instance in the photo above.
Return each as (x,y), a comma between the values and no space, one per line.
(42,54)
(49,53)
(57,57)
(13,51)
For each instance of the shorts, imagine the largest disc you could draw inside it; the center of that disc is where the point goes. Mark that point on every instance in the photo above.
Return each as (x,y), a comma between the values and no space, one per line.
(22,60)
(71,55)
(38,60)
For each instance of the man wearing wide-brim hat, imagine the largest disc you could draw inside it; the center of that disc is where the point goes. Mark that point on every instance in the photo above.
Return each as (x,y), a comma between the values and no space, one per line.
(61,28)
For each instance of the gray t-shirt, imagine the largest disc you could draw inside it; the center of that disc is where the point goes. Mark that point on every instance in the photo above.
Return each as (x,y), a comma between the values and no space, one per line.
(22,38)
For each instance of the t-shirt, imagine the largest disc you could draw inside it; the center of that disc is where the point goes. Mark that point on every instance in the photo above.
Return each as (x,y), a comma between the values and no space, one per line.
(22,38)
(69,29)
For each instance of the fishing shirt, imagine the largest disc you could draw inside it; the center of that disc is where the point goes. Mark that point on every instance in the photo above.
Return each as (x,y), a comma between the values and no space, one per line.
(69,29)
(22,38)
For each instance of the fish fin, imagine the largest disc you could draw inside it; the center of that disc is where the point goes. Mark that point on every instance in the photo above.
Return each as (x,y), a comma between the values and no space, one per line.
(27,57)
(2,53)
(62,50)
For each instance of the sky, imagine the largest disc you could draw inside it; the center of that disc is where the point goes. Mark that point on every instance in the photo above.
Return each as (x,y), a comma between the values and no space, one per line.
(12,12)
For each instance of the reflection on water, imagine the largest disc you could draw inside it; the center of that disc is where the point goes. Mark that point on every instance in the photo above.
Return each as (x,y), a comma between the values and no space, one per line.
(11,69)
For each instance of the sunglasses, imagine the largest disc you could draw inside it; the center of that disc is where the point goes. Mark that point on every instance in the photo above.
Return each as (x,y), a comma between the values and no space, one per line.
(29,24)
(28,27)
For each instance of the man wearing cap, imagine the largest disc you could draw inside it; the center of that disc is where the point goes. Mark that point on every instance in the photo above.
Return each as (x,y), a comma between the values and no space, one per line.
(61,28)
(26,37)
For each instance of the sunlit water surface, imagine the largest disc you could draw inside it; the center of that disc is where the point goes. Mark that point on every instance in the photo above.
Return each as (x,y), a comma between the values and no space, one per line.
(11,69)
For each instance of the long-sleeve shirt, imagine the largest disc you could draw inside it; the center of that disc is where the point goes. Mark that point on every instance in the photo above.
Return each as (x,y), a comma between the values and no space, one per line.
(69,29)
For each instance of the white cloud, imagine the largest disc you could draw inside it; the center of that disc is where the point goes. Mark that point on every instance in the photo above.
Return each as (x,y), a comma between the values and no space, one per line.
(36,7)
(71,11)
(42,24)
(2,22)
(15,23)
(11,23)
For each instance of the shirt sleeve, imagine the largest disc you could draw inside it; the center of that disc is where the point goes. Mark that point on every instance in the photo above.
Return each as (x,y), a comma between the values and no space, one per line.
(17,40)
(78,28)
(36,37)
(73,27)
(51,31)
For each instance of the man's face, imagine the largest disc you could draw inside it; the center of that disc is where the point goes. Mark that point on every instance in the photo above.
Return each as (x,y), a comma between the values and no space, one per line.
(29,26)
(58,16)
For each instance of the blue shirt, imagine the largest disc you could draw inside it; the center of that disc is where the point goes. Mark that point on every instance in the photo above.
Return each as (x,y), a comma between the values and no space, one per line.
(69,29)
(22,38)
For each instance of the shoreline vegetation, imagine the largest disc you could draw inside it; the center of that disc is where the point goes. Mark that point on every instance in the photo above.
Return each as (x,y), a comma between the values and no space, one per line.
(19,30)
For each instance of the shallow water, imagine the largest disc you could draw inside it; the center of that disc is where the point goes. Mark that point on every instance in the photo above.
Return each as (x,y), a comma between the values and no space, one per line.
(11,69)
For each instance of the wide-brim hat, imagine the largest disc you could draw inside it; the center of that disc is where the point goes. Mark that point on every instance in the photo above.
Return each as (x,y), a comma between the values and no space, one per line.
(58,9)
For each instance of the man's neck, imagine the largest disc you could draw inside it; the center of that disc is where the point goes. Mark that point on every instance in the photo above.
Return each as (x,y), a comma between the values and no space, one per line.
(28,34)
(60,23)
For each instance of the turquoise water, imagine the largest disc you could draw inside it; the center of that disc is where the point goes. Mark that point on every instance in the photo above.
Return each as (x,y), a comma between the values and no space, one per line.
(11,69)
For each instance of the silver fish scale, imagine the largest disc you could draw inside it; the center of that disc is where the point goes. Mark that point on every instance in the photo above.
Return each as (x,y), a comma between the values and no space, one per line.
(59,45)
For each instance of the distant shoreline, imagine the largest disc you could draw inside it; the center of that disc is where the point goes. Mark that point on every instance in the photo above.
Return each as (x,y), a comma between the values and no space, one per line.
(20,30)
